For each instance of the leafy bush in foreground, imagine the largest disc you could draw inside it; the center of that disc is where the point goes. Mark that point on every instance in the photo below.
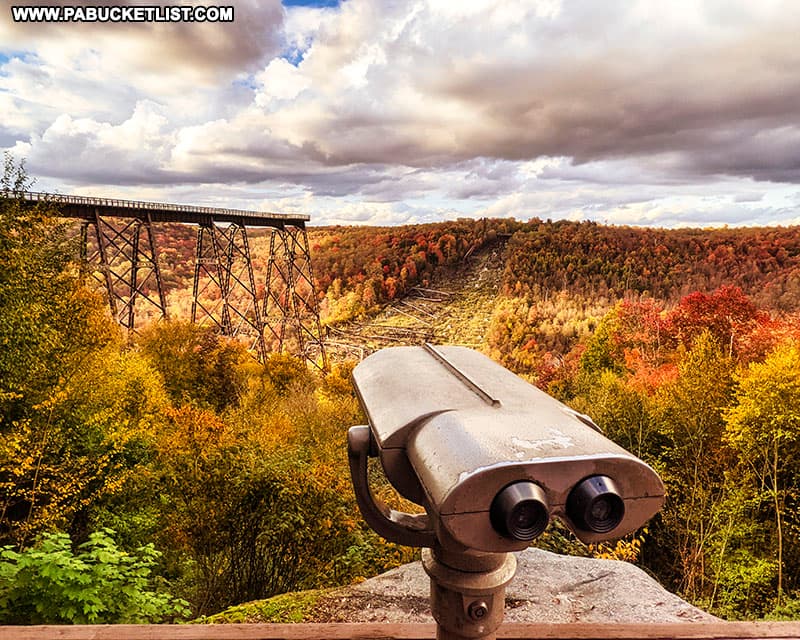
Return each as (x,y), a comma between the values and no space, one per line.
(49,583)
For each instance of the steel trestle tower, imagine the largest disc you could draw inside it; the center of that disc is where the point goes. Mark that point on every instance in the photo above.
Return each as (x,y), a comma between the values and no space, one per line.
(280,313)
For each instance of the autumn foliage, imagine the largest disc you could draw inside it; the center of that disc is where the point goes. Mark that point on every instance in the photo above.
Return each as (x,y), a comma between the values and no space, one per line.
(683,345)
(358,268)
(227,472)
(660,336)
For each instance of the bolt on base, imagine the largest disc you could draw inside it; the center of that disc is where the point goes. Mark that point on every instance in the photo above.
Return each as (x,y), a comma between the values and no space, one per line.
(468,592)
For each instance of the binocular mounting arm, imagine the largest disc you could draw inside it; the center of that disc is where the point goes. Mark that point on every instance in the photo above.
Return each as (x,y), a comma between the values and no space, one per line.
(400,527)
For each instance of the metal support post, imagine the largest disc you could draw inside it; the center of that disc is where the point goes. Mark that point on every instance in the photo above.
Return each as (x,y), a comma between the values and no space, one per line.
(224,288)
(291,297)
(304,301)
(468,592)
(276,297)
(84,258)
(152,259)
(128,268)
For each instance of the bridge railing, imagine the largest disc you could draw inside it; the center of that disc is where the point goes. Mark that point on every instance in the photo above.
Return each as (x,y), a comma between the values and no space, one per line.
(118,203)
(369,631)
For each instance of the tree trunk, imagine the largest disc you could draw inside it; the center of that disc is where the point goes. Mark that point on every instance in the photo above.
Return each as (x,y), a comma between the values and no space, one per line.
(778,522)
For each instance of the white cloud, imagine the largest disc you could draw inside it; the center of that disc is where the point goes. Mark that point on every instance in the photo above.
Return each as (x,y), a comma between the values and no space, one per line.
(142,53)
(279,81)
(132,151)
(418,85)
(391,112)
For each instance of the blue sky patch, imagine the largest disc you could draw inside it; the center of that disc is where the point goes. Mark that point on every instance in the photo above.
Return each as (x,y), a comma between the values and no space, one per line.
(294,57)
(10,54)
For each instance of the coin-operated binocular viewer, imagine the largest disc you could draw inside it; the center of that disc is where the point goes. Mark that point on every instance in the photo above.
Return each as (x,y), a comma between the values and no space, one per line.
(490,458)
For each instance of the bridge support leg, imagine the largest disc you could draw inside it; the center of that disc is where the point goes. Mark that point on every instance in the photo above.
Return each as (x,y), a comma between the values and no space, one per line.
(290,301)
(126,260)
(224,290)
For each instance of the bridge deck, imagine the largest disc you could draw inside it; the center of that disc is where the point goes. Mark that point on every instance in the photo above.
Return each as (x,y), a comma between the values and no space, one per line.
(86,207)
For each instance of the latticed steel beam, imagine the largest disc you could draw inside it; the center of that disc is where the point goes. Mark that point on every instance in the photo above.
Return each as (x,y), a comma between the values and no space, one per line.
(123,249)
(224,289)
(125,258)
(291,312)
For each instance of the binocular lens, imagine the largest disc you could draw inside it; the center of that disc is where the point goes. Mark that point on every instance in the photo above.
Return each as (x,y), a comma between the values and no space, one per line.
(595,504)
(520,511)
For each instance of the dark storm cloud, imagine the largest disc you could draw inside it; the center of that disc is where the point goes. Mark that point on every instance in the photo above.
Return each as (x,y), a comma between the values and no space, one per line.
(203,49)
(716,109)
(713,85)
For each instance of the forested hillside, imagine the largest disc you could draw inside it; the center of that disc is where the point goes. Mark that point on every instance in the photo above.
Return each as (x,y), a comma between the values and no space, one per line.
(161,480)
(684,345)
(586,259)
(600,261)
(176,470)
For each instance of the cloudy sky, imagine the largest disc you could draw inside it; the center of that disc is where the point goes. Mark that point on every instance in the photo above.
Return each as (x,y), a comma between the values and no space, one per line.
(386,112)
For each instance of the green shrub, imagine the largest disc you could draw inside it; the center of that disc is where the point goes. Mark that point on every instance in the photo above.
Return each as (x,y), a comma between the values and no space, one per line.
(100,584)
(789,610)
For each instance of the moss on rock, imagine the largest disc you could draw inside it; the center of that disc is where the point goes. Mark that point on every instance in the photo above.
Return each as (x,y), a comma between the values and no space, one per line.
(296,606)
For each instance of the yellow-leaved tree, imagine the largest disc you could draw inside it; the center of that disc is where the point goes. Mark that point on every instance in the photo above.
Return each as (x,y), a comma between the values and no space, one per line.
(72,404)
(763,427)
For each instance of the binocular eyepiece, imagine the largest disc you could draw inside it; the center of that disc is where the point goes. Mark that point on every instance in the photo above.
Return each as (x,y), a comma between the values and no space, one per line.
(595,505)
(520,511)
(490,457)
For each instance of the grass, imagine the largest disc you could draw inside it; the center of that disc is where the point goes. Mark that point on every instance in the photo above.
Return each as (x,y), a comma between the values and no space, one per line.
(295,606)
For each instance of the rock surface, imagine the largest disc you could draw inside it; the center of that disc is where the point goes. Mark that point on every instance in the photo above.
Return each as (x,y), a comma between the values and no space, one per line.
(547,588)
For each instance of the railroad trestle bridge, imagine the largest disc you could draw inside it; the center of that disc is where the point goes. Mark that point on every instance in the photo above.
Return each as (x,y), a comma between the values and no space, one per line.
(119,249)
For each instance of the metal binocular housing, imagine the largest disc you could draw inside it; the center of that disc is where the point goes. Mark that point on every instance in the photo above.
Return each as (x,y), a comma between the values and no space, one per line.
(490,457)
